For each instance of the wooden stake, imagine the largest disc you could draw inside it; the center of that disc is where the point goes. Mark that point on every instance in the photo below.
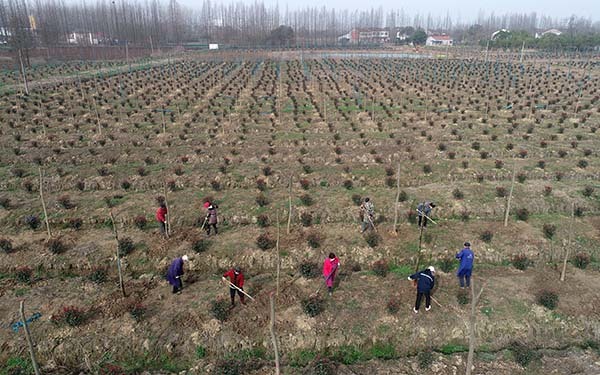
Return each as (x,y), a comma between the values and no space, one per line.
(168,223)
(272,330)
(397,200)
(472,321)
(122,286)
(512,186)
(44,203)
(289,207)
(29,340)
(23,73)
(162,114)
(564,267)
(420,242)
(278,255)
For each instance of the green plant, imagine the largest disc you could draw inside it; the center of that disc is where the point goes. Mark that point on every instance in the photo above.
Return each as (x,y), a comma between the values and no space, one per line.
(462,297)
(126,246)
(75,223)
(425,359)
(449,349)
(403,197)
(306,200)
(261,184)
(522,214)
(262,200)
(111,369)
(588,191)
(380,268)
(98,275)
(501,192)
(137,311)
(17,366)
(458,194)
(446,264)
(313,305)
(393,305)
(348,184)
(322,366)
(265,242)
(372,239)
(140,222)
(581,260)
(357,199)
(201,245)
(486,236)
(522,354)
(347,354)
(23,274)
(314,239)
(521,177)
(383,351)
(582,163)
(55,246)
(219,309)
(33,221)
(521,262)
(262,220)
(200,352)
(547,298)
(411,216)
(69,315)
(549,230)
(427,169)
(306,219)
(302,358)
(6,245)
(309,270)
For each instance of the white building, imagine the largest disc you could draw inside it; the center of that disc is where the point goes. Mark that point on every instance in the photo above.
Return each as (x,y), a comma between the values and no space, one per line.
(438,40)
(81,38)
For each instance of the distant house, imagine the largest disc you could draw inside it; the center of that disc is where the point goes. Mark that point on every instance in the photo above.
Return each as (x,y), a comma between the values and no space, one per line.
(439,40)
(366,36)
(548,32)
(498,33)
(86,38)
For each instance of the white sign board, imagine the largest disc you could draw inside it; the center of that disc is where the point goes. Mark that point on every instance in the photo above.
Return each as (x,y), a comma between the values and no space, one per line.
(213,46)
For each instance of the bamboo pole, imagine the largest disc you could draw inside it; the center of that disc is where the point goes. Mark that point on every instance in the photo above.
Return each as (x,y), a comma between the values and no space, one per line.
(397,200)
(26,86)
(420,242)
(29,340)
(272,330)
(43,202)
(564,267)
(289,207)
(278,255)
(121,284)
(512,186)
(472,322)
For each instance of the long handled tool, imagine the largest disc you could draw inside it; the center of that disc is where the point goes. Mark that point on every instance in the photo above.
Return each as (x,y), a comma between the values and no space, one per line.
(204,223)
(235,287)
(423,214)
(327,278)
(368,217)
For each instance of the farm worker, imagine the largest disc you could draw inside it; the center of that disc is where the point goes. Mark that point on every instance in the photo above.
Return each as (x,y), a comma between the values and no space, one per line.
(211,217)
(465,268)
(175,272)
(424,212)
(330,267)
(368,212)
(425,283)
(161,216)
(236,278)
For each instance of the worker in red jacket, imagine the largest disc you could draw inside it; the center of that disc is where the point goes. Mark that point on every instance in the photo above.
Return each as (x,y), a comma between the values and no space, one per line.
(330,267)
(161,217)
(236,278)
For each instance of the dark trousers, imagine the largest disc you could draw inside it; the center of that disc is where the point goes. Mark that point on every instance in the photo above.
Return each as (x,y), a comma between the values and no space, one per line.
(420,297)
(423,220)
(208,229)
(464,277)
(163,227)
(232,295)
(177,286)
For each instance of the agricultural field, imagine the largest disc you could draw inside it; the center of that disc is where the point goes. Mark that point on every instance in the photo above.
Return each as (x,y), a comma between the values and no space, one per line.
(260,134)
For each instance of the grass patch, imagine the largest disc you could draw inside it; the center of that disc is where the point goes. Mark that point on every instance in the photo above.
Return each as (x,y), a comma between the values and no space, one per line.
(401,270)
(453,348)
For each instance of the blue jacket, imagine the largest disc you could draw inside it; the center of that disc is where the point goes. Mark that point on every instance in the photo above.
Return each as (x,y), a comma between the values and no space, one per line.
(466,257)
(424,208)
(175,269)
(425,280)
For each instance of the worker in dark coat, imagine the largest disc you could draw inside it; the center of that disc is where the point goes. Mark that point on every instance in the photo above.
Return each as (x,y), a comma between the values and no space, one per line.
(425,282)
(424,212)
(465,268)
(211,217)
(175,273)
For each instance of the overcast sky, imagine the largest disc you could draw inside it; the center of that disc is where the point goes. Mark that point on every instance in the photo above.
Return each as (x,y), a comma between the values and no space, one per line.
(466,10)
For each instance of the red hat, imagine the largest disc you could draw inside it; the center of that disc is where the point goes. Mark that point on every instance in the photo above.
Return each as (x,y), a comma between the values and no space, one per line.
(206,204)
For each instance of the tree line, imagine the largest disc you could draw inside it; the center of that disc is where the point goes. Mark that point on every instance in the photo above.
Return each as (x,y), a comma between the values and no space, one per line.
(28,23)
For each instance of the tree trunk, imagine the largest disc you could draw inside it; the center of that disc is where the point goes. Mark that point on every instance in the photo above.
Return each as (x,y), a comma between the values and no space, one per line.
(23,73)
(512,186)
(272,330)
(420,242)
(29,340)
(44,203)
(278,255)
(168,221)
(121,285)
(472,321)
(397,200)
(564,267)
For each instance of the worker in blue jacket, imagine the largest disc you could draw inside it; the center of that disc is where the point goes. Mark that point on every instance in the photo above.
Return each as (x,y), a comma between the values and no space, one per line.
(465,268)
(425,282)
